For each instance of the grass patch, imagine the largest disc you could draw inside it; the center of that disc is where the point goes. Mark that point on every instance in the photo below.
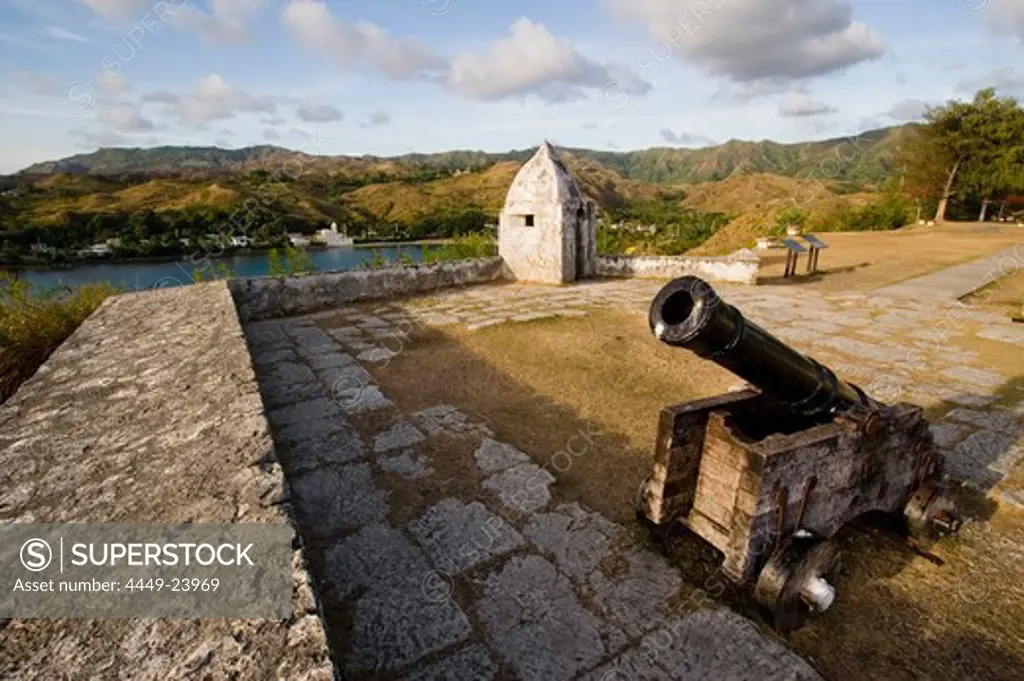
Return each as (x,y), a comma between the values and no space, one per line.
(1006,293)
(33,323)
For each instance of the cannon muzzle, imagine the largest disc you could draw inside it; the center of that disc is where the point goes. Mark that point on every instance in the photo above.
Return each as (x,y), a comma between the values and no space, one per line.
(687,313)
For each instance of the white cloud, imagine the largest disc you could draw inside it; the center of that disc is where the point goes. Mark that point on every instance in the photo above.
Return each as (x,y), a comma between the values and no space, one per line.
(684,138)
(118,9)
(1008,16)
(113,83)
(350,45)
(90,139)
(799,104)
(227,21)
(273,120)
(59,33)
(37,83)
(313,112)
(757,40)
(271,135)
(213,99)
(530,60)
(375,119)
(1008,81)
(907,110)
(125,118)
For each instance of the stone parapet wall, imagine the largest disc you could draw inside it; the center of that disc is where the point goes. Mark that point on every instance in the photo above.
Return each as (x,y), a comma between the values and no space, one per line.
(150,413)
(739,268)
(269,297)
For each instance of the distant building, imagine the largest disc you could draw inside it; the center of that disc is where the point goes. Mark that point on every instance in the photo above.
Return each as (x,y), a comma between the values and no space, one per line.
(299,240)
(96,250)
(332,238)
(42,248)
(238,241)
(546,231)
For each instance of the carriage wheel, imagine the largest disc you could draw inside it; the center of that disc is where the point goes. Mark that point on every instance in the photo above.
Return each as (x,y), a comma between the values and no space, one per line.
(797,582)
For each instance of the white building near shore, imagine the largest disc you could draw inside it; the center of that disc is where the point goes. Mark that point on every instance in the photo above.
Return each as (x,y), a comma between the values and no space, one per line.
(332,238)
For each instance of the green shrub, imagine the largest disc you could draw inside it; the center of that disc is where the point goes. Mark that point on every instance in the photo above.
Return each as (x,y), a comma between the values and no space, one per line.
(790,216)
(892,211)
(34,322)
(294,261)
(461,248)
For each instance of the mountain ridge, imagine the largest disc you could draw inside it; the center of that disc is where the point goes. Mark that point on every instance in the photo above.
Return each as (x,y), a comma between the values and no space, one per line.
(872,162)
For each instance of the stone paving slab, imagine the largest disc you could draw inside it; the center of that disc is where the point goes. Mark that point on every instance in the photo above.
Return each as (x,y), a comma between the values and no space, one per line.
(961,280)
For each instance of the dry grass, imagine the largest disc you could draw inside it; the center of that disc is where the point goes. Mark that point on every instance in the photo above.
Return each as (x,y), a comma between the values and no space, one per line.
(155,195)
(407,202)
(1006,293)
(898,615)
(753,200)
(861,260)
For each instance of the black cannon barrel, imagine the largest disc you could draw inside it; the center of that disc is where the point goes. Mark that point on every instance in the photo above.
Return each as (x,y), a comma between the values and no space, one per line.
(687,313)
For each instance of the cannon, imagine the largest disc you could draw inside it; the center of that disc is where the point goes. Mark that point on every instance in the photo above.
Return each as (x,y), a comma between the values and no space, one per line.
(770,472)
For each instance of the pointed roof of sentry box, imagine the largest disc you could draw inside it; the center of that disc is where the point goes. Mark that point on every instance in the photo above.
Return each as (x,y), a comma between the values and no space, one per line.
(546,167)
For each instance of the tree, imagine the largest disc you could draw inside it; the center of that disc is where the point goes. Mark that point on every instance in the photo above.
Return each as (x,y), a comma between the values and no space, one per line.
(998,174)
(970,138)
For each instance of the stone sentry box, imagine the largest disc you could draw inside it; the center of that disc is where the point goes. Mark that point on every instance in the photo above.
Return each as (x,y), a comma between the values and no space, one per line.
(546,229)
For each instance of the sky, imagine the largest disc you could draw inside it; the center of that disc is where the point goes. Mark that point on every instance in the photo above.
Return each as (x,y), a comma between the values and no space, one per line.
(388,77)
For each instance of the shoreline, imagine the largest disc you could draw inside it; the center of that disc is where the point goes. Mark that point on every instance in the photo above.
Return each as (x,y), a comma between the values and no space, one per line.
(151,259)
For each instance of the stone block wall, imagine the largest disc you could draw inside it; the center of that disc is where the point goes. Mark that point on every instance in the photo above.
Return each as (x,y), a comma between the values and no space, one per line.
(269,297)
(738,268)
(150,413)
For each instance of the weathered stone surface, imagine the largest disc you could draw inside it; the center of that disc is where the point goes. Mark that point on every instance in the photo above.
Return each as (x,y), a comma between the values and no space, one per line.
(472,663)
(1006,334)
(311,444)
(332,499)
(376,354)
(273,356)
(394,628)
(977,377)
(998,420)
(346,333)
(523,488)
(377,557)
(328,360)
(693,648)
(67,442)
(310,410)
(405,465)
(635,596)
(400,434)
(947,434)
(878,353)
(983,458)
(577,540)
(458,536)
(264,297)
(448,420)
(493,456)
(535,624)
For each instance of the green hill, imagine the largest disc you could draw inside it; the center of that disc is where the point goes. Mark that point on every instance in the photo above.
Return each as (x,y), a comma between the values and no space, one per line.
(865,158)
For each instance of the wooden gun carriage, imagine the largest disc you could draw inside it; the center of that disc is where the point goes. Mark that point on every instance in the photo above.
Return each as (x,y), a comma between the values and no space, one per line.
(768,475)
